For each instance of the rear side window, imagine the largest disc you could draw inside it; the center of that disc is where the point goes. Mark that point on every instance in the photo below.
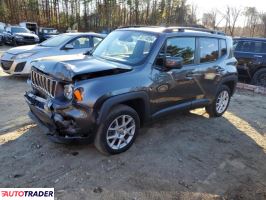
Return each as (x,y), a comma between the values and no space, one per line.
(264,47)
(209,49)
(223,47)
(250,46)
(181,47)
(258,47)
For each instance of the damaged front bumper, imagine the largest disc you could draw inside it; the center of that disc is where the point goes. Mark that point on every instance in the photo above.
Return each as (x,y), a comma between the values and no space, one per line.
(66,121)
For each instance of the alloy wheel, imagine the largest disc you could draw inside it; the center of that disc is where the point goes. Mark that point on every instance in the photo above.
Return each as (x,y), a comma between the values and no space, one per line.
(222,101)
(120,132)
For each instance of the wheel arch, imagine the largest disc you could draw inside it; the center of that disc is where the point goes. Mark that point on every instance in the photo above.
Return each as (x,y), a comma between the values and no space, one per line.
(139,101)
(229,81)
(257,69)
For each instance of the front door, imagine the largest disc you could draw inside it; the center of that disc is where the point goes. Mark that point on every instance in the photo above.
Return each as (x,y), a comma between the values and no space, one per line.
(174,87)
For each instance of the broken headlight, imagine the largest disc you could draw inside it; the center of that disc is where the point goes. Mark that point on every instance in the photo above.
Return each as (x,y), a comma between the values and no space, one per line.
(68,91)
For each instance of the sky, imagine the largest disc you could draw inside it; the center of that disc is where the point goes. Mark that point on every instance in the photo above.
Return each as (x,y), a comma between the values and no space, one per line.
(209,5)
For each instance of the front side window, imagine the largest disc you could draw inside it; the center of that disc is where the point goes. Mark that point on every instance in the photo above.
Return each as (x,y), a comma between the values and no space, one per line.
(209,49)
(81,42)
(130,47)
(183,47)
(244,46)
(56,41)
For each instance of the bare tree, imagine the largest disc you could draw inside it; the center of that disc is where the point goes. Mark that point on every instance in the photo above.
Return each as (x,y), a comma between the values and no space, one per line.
(231,16)
(263,21)
(252,18)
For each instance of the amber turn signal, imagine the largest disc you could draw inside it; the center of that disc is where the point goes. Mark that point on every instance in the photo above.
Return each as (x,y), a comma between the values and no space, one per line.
(78,95)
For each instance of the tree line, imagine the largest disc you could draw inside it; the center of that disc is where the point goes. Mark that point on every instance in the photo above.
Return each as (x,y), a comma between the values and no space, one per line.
(98,15)
(254,23)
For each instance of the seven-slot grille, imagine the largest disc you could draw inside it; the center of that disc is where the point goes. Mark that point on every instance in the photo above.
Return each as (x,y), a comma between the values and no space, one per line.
(44,83)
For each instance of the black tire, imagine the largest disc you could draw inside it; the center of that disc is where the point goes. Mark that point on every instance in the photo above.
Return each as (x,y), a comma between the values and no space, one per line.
(259,78)
(14,42)
(100,140)
(212,108)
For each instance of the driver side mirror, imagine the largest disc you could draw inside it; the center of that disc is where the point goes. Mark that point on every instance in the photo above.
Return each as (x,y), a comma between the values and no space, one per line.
(68,47)
(88,53)
(173,62)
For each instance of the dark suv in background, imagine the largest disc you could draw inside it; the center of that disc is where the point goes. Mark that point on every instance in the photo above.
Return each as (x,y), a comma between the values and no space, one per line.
(134,75)
(251,56)
(1,37)
(15,35)
(46,33)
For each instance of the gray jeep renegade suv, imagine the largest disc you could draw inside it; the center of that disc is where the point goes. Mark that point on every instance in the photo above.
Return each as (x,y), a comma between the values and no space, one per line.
(136,74)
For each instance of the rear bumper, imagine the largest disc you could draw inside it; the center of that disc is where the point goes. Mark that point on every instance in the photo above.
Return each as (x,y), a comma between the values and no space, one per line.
(65,123)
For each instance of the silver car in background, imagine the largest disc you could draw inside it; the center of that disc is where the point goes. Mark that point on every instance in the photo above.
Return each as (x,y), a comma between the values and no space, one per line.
(18,60)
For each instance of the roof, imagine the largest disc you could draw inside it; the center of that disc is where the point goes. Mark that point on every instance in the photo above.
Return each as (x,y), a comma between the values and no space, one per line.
(173,29)
(86,33)
(250,38)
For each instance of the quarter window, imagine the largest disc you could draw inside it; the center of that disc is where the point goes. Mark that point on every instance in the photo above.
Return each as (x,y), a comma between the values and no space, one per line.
(208,49)
(181,47)
(223,47)
(96,40)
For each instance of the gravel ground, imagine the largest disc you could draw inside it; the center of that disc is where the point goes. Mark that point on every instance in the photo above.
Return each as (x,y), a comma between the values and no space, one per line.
(178,157)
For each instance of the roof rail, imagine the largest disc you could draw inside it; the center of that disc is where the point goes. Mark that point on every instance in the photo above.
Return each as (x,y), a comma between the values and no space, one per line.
(137,26)
(182,29)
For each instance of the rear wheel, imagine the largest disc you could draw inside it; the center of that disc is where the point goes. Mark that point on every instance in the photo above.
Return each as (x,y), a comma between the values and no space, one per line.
(259,78)
(221,102)
(118,131)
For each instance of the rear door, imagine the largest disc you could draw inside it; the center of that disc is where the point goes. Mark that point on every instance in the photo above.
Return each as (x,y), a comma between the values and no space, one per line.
(208,69)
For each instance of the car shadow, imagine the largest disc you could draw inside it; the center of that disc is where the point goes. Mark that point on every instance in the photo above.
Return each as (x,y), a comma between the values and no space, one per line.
(179,156)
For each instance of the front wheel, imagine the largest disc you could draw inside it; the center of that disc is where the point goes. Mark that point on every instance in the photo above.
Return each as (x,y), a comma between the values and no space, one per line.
(221,102)
(118,131)
(14,42)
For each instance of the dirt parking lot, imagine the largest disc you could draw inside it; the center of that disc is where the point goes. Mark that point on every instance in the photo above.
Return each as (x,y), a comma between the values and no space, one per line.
(178,157)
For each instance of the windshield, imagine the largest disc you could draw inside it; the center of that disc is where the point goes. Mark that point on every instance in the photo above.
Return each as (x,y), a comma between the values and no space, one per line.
(56,41)
(130,47)
(49,31)
(19,30)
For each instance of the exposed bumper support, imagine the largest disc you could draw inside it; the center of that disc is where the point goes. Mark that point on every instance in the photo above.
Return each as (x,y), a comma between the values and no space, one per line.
(66,125)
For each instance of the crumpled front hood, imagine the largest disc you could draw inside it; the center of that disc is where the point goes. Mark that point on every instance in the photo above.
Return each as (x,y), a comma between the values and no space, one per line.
(27,48)
(88,66)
